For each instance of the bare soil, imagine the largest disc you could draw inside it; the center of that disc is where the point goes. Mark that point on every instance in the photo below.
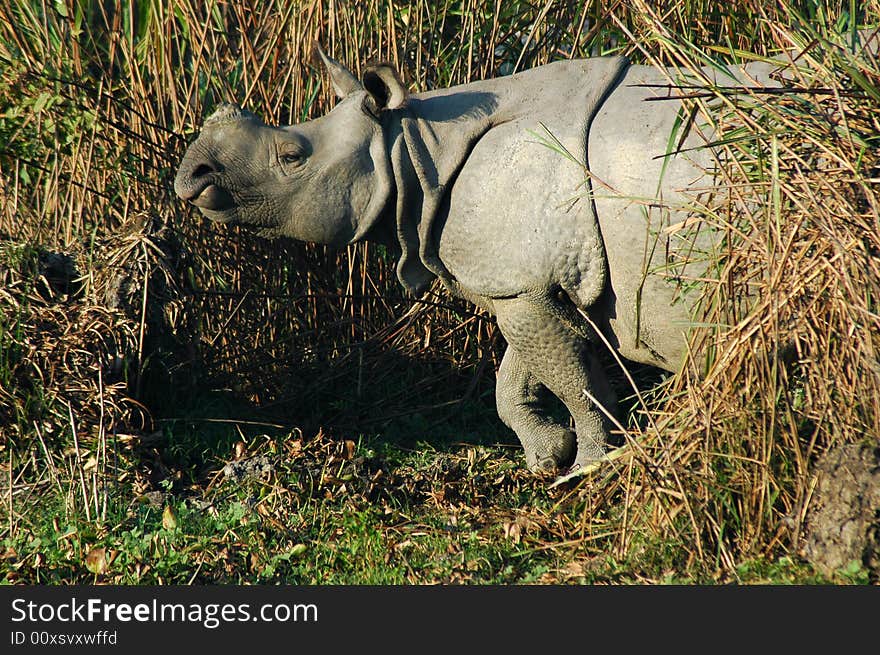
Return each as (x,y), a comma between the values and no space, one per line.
(844,524)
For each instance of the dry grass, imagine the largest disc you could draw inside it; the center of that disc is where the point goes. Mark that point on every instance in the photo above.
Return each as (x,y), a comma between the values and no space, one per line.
(94,127)
(790,364)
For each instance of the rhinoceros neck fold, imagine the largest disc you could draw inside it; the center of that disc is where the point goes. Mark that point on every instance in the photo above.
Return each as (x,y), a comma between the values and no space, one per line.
(438,130)
(433,144)
(382,192)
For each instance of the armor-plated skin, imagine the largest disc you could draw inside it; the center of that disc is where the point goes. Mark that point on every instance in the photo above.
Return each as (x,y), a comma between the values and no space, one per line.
(542,197)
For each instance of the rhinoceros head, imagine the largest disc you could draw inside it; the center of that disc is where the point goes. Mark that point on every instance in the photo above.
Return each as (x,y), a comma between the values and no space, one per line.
(327,180)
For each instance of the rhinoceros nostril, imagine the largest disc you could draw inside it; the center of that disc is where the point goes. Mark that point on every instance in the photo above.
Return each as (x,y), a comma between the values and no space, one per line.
(193,179)
(202,170)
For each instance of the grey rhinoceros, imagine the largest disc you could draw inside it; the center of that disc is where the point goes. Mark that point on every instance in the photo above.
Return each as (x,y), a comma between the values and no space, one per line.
(554,199)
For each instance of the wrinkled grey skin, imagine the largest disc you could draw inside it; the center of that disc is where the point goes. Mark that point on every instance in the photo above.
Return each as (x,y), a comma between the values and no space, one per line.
(463,182)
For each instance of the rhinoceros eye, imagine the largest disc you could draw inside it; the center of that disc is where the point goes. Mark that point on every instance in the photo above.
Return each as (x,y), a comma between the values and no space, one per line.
(290,155)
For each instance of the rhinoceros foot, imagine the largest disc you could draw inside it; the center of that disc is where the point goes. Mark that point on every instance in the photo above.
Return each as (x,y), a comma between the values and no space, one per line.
(545,355)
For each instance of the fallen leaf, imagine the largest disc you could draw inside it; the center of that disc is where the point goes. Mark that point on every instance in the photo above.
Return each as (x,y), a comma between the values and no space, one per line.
(169,518)
(513,531)
(96,561)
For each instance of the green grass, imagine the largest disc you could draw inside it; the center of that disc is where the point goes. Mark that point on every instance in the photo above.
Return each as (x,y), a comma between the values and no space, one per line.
(331,512)
(355,517)
(343,514)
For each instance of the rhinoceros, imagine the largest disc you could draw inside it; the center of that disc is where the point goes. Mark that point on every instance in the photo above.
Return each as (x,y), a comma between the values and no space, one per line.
(554,198)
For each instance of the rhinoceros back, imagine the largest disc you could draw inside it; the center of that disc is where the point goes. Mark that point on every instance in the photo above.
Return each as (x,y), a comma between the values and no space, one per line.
(516,216)
(656,164)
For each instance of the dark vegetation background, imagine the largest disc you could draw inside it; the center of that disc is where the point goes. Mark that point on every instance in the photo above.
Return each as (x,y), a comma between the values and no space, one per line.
(184,403)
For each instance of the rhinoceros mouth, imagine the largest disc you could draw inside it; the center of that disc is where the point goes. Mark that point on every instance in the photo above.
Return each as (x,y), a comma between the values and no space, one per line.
(221,217)
(213,198)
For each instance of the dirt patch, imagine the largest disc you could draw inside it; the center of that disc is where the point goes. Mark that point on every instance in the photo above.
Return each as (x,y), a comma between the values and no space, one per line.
(844,524)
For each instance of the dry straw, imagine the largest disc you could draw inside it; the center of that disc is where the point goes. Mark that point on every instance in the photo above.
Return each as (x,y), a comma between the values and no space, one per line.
(792,329)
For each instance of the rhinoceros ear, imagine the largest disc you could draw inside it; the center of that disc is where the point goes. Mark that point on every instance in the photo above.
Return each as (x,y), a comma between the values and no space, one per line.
(385,87)
(343,81)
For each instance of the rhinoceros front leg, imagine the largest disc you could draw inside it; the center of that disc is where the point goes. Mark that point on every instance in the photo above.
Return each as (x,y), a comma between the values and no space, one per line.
(518,396)
(542,349)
